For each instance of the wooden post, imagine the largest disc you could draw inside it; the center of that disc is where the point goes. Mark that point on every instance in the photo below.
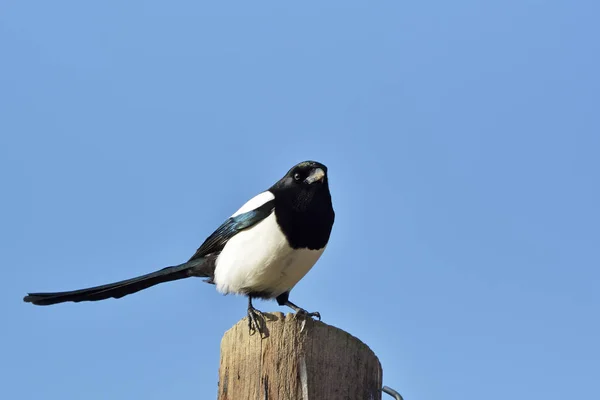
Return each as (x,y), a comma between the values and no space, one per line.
(298,360)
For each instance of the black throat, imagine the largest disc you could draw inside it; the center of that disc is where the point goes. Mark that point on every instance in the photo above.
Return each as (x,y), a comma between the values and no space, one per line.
(307,219)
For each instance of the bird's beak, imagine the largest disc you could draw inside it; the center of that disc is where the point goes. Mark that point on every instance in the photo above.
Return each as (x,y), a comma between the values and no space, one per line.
(316,175)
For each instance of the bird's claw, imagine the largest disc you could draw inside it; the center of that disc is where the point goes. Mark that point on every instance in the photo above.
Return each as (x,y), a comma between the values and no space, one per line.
(303,313)
(255,321)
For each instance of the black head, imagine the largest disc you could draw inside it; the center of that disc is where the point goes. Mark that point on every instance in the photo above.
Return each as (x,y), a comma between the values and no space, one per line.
(303,183)
(303,205)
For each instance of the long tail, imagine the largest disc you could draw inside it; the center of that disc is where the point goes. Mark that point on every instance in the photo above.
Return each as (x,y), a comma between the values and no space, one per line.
(203,267)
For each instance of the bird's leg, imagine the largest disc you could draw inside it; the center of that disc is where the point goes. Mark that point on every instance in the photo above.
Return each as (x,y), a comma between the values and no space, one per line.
(255,318)
(283,300)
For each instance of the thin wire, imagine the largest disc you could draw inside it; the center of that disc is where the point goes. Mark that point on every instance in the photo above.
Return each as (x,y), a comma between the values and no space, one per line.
(392,392)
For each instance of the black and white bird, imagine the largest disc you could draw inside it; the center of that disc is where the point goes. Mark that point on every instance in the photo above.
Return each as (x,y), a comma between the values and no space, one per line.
(262,251)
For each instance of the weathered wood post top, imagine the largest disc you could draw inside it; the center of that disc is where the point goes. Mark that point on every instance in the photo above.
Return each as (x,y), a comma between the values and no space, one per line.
(300,359)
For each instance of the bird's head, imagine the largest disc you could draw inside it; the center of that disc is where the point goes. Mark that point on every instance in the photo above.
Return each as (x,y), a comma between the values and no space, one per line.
(304,185)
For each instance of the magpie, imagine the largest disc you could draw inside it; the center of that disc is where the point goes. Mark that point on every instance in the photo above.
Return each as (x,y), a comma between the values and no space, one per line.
(262,251)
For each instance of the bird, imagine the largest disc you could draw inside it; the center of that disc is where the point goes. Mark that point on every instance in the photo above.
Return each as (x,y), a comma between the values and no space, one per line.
(261,251)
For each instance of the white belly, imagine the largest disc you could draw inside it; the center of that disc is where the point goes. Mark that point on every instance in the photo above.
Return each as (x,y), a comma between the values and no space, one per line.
(259,259)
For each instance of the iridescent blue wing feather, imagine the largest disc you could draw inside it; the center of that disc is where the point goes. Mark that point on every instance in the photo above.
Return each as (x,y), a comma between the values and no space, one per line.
(217,240)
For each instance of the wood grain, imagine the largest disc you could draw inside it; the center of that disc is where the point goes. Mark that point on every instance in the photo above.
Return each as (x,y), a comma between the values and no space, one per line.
(299,360)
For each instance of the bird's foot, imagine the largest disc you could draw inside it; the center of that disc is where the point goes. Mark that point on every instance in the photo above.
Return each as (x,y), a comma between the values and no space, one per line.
(256,321)
(300,312)
(304,314)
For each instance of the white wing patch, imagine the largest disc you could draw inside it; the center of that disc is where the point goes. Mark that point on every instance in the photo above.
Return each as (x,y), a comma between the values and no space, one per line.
(255,202)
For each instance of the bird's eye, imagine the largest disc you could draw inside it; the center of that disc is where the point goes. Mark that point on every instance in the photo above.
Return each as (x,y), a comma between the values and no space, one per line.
(297,176)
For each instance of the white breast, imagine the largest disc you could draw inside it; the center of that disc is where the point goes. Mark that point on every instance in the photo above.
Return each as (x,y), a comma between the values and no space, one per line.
(259,259)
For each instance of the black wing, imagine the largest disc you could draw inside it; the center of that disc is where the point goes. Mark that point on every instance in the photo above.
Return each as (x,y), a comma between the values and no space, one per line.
(215,242)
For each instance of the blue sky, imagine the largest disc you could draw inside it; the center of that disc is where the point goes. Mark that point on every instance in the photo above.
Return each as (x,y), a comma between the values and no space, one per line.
(462,140)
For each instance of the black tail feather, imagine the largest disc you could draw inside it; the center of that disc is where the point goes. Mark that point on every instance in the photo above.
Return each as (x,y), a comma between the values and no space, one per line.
(199,268)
